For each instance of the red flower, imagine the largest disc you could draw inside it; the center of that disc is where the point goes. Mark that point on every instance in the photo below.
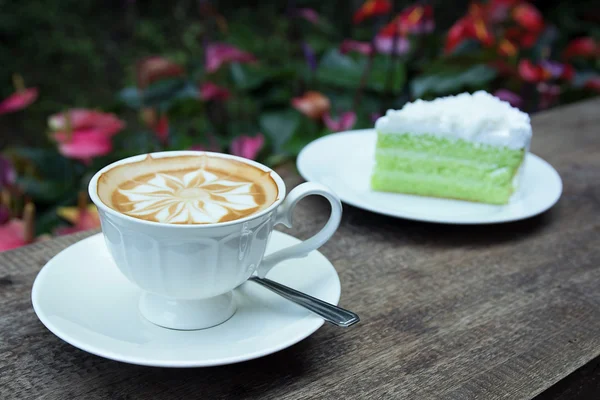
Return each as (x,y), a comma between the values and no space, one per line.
(18,100)
(345,121)
(469,27)
(354,45)
(372,8)
(528,17)
(80,118)
(154,68)
(218,54)
(210,91)
(582,47)
(545,71)
(530,72)
(161,128)
(247,146)
(568,72)
(413,19)
(312,104)
(593,84)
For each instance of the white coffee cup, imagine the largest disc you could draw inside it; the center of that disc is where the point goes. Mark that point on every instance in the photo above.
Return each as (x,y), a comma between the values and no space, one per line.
(187,272)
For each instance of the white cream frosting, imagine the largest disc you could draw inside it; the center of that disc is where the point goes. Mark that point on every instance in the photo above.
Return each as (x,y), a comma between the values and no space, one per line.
(198,197)
(478,117)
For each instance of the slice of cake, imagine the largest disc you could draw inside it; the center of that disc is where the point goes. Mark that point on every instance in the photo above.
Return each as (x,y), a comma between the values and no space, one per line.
(467,147)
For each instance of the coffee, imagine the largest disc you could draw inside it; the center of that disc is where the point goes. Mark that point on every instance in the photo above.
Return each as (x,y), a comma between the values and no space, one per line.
(200,189)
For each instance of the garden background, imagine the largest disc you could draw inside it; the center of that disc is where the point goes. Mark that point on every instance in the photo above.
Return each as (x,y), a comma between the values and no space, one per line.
(86,83)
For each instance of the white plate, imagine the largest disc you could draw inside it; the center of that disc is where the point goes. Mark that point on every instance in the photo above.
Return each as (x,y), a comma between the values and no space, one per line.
(83,298)
(344,161)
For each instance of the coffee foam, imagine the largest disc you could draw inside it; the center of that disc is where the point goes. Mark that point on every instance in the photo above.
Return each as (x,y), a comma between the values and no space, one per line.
(198,189)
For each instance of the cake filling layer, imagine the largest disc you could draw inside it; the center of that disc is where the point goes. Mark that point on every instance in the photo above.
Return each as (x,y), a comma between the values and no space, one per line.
(439,186)
(430,165)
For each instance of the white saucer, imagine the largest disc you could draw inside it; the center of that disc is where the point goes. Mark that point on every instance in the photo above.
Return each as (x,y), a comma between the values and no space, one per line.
(83,298)
(343,161)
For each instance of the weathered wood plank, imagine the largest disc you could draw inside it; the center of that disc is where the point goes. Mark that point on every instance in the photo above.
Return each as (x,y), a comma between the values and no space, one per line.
(452,312)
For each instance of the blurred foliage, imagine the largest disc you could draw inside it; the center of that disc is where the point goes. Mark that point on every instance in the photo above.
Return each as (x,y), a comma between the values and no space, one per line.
(83,54)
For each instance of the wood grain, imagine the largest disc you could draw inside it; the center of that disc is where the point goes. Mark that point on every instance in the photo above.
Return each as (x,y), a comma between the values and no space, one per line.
(450,312)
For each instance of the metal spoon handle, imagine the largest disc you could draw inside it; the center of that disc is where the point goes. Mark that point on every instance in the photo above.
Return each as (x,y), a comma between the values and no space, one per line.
(330,313)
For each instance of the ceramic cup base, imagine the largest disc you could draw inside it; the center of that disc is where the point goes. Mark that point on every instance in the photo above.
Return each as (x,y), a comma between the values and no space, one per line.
(187,314)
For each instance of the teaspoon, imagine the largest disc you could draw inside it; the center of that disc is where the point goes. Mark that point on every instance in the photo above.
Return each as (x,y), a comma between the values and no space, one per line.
(330,313)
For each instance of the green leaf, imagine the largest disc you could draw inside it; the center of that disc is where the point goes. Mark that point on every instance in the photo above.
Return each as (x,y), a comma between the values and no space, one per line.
(452,80)
(276,159)
(48,163)
(277,95)
(247,77)
(344,71)
(386,76)
(160,94)
(280,126)
(137,142)
(340,70)
(46,191)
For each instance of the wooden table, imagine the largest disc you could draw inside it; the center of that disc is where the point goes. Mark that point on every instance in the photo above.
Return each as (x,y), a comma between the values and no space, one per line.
(452,312)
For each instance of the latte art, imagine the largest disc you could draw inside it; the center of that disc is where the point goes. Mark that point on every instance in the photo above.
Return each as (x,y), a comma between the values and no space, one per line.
(198,197)
(203,190)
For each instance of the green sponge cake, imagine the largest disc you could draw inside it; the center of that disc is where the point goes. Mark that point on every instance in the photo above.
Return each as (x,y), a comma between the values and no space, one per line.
(467,147)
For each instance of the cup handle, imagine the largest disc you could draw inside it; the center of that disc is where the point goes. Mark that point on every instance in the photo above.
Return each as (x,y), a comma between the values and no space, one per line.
(284,216)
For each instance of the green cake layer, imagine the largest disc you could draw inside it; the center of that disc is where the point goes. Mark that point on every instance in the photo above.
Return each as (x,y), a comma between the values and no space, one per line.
(429,165)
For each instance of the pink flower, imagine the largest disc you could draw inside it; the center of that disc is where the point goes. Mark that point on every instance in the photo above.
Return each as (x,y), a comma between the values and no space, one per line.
(18,100)
(511,97)
(84,134)
(209,91)
(312,104)
(16,233)
(80,118)
(345,121)
(151,69)
(247,146)
(12,235)
(309,14)
(84,145)
(385,44)
(218,54)
(354,45)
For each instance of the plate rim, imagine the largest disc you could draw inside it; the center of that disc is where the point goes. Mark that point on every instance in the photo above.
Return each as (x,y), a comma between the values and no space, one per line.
(312,324)
(439,220)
